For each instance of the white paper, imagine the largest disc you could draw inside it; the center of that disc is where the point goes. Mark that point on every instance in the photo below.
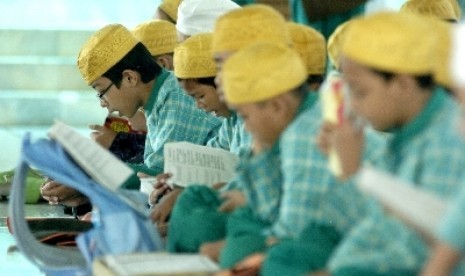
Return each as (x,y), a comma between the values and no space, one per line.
(419,208)
(160,264)
(98,162)
(194,164)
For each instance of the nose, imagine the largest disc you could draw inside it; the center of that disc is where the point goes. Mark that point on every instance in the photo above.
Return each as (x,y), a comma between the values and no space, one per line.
(199,104)
(103,103)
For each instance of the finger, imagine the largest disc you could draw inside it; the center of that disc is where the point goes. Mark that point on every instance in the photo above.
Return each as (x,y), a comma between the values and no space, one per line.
(225,207)
(164,176)
(95,127)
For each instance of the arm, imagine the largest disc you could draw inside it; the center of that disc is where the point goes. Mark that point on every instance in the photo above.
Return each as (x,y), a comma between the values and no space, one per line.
(442,261)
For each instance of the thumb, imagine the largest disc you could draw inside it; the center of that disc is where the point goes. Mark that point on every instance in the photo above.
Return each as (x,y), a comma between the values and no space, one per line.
(95,127)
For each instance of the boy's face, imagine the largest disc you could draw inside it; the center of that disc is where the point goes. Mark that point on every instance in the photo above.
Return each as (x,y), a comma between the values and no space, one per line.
(114,98)
(371,96)
(262,121)
(205,97)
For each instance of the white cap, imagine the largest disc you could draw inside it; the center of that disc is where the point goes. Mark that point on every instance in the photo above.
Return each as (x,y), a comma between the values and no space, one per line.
(199,16)
(458,55)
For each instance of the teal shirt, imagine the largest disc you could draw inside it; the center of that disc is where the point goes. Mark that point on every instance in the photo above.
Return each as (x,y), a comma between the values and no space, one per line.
(428,152)
(232,135)
(173,116)
(311,194)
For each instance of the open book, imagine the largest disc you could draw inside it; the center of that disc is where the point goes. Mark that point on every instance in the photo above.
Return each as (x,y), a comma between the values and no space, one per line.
(102,166)
(155,264)
(96,161)
(418,208)
(194,164)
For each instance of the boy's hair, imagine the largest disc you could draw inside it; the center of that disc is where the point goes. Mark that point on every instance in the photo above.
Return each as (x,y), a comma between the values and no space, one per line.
(301,91)
(138,59)
(423,81)
(207,81)
(315,79)
(210,81)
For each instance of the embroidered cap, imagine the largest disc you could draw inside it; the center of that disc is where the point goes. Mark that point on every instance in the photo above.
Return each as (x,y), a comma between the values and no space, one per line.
(442,9)
(193,58)
(103,50)
(384,40)
(276,70)
(253,23)
(199,16)
(310,45)
(158,36)
(170,7)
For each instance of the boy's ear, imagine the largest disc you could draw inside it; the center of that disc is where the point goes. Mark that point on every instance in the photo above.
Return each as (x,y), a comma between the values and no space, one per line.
(164,61)
(130,77)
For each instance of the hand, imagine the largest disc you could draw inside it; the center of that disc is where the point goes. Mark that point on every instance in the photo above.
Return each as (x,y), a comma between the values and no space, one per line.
(102,135)
(162,210)
(250,263)
(161,188)
(212,249)
(348,141)
(232,200)
(219,185)
(56,193)
(324,137)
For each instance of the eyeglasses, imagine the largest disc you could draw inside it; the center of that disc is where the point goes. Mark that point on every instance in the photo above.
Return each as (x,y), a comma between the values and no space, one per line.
(104,91)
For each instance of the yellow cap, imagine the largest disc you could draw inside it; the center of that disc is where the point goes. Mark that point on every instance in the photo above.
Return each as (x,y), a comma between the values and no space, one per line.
(384,40)
(261,71)
(442,9)
(457,9)
(443,52)
(170,7)
(103,50)
(335,43)
(193,58)
(253,23)
(310,45)
(158,36)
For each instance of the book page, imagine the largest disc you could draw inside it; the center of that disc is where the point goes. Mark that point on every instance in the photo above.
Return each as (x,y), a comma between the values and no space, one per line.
(96,161)
(160,264)
(418,208)
(194,164)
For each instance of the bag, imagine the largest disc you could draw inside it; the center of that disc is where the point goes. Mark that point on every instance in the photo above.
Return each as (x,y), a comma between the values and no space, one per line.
(121,223)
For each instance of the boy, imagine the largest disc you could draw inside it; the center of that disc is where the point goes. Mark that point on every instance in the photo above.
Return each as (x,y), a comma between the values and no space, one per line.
(449,250)
(233,31)
(392,88)
(127,78)
(196,70)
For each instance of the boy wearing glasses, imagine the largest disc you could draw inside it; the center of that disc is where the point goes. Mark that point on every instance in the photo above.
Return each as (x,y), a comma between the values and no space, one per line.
(126,78)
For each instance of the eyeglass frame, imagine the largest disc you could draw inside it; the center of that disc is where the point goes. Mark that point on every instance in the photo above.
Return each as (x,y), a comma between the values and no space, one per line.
(104,91)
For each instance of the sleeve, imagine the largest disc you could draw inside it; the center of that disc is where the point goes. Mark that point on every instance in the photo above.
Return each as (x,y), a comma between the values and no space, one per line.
(128,146)
(222,139)
(305,182)
(176,118)
(452,226)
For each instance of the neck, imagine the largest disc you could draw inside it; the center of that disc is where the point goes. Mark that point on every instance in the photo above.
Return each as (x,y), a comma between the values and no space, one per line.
(414,104)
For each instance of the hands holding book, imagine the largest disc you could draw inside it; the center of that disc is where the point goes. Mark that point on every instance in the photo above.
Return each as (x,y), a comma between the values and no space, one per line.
(56,193)
(102,135)
(347,140)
